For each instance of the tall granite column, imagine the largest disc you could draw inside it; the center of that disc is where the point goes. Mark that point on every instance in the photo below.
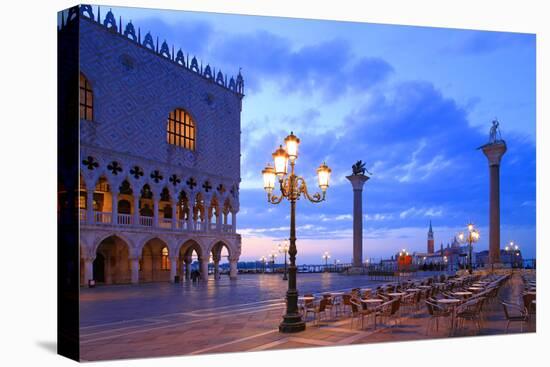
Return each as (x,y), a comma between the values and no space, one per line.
(494,152)
(357,182)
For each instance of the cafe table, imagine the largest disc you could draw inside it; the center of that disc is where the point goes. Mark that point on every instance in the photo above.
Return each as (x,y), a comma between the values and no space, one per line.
(413,290)
(425,286)
(475,289)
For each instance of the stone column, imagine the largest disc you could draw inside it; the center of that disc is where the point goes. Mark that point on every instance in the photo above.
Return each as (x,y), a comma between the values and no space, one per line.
(233,271)
(135,270)
(233,221)
(216,269)
(357,182)
(218,220)
(494,153)
(174,215)
(114,206)
(155,212)
(173,268)
(206,217)
(204,268)
(88,269)
(90,206)
(136,210)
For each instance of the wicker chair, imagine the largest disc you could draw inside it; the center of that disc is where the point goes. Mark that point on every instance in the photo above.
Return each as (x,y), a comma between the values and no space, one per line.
(470,311)
(515,313)
(436,312)
(308,306)
(320,310)
(358,311)
(384,311)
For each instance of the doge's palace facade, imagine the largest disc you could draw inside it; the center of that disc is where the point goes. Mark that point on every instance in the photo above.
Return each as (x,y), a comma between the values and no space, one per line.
(159,156)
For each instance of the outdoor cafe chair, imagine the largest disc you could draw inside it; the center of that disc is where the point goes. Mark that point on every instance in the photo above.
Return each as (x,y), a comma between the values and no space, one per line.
(408,301)
(384,311)
(308,306)
(470,311)
(320,310)
(515,313)
(358,311)
(346,302)
(435,312)
(528,302)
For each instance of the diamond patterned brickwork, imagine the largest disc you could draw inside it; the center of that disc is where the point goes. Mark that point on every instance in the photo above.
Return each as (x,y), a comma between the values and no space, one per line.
(134,91)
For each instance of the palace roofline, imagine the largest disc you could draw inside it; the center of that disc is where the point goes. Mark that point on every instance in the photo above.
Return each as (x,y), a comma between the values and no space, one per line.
(235,85)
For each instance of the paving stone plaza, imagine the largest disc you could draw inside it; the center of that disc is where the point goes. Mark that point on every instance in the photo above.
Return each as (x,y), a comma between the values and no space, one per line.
(154,320)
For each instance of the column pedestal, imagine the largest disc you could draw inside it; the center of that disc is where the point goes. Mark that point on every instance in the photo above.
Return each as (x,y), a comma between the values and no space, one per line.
(494,153)
(357,182)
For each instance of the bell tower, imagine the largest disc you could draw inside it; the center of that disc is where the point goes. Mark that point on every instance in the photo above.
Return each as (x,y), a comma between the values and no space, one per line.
(430,240)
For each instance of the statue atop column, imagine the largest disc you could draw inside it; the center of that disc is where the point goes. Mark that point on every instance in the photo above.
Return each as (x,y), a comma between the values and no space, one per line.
(494,133)
(358,169)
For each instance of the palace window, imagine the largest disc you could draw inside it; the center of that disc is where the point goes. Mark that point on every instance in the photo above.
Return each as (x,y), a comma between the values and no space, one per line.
(165,262)
(86,99)
(181,129)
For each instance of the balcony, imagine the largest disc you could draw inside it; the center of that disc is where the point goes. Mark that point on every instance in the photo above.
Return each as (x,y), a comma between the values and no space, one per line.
(128,220)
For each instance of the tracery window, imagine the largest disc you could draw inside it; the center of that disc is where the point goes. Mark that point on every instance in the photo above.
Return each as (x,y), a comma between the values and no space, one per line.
(86,99)
(181,129)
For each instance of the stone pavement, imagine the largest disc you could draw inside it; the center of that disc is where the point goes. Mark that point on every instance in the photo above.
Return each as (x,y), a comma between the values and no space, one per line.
(253,327)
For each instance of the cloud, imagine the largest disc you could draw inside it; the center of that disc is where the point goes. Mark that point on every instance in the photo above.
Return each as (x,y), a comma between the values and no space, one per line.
(483,42)
(328,67)
(421,212)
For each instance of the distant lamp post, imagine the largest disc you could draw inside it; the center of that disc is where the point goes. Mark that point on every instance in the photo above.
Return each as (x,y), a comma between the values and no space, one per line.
(273,256)
(446,262)
(263,259)
(470,238)
(513,252)
(326,256)
(291,187)
(283,249)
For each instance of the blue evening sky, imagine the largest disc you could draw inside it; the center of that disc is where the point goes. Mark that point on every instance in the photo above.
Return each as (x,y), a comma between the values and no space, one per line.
(414,103)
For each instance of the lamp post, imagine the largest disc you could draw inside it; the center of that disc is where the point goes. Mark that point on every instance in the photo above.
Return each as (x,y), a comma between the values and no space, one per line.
(470,237)
(283,249)
(292,187)
(326,256)
(263,259)
(513,252)
(273,255)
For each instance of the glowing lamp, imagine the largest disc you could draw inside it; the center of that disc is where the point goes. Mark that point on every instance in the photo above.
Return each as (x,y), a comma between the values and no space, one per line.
(269,178)
(292,143)
(280,158)
(323,174)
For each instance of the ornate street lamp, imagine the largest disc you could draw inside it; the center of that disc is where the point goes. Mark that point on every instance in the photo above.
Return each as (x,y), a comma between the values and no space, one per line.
(283,249)
(470,237)
(326,256)
(292,187)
